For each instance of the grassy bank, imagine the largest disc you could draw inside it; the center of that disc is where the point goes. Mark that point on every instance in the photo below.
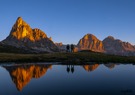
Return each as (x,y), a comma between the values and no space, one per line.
(80,57)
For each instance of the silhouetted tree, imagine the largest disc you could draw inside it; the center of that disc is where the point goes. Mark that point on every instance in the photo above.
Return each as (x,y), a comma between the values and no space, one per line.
(68,47)
(72,48)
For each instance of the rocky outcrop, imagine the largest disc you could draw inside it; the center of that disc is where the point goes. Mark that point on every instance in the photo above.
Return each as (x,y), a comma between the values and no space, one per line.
(90,42)
(22,74)
(118,47)
(23,36)
(61,46)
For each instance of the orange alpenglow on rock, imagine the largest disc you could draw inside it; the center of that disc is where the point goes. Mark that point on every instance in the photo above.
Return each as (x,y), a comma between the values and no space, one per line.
(38,34)
(90,42)
(21,30)
(50,38)
(23,36)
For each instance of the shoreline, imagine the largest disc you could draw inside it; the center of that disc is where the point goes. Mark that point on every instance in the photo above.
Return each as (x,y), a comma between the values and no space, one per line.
(66,58)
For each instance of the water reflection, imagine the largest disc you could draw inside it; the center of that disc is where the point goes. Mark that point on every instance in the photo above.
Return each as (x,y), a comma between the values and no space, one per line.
(62,79)
(110,65)
(90,68)
(70,68)
(22,74)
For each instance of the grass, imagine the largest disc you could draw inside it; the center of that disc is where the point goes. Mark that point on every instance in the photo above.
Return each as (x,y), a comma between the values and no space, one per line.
(77,58)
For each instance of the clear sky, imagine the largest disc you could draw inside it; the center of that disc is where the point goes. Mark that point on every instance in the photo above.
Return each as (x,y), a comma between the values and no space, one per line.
(69,20)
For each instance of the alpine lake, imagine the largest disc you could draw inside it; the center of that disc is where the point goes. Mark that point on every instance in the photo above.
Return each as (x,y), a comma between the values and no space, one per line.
(58,79)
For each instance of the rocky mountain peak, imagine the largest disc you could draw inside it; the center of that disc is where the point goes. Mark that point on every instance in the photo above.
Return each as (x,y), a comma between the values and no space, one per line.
(90,42)
(23,36)
(38,34)
(19,20)
(89,36)
(19,23)
(21,30)
(118,47)
(110,37)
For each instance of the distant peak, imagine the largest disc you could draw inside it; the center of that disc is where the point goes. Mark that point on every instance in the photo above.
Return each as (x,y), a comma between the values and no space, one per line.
(87,36)
(19,18)
(36,29)
(50,38)
(20,21)
(111,37)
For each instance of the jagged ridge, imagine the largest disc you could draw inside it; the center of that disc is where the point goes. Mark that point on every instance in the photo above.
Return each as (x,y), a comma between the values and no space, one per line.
(118,47)
(23,36)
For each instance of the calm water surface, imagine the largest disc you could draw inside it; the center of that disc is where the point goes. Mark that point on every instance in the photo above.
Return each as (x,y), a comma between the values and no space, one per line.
(49,79)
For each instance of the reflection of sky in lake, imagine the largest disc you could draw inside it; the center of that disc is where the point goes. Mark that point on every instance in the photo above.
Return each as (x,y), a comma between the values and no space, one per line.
(57,81)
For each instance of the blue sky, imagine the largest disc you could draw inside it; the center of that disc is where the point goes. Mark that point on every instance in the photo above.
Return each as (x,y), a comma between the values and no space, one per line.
(69,20)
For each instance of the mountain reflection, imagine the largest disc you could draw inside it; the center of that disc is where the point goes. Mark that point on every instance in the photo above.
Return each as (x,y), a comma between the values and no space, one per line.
(22,74)
(70,68)
(90,68)
(110,65)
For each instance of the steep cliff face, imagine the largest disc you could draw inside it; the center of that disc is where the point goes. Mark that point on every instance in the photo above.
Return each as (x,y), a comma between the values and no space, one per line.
(21,75)
(21,30)
(23,36)
(90,42)
(118,47)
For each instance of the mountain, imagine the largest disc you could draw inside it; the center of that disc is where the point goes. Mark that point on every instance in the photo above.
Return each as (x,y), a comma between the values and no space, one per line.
(90,42)
(22,74)
(118,47)
(109,45)
(24,37)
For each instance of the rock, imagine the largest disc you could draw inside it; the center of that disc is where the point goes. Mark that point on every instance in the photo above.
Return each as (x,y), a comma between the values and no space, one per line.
(61,46)
(23,36)
(50,38)
(90,42)
(118,47)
